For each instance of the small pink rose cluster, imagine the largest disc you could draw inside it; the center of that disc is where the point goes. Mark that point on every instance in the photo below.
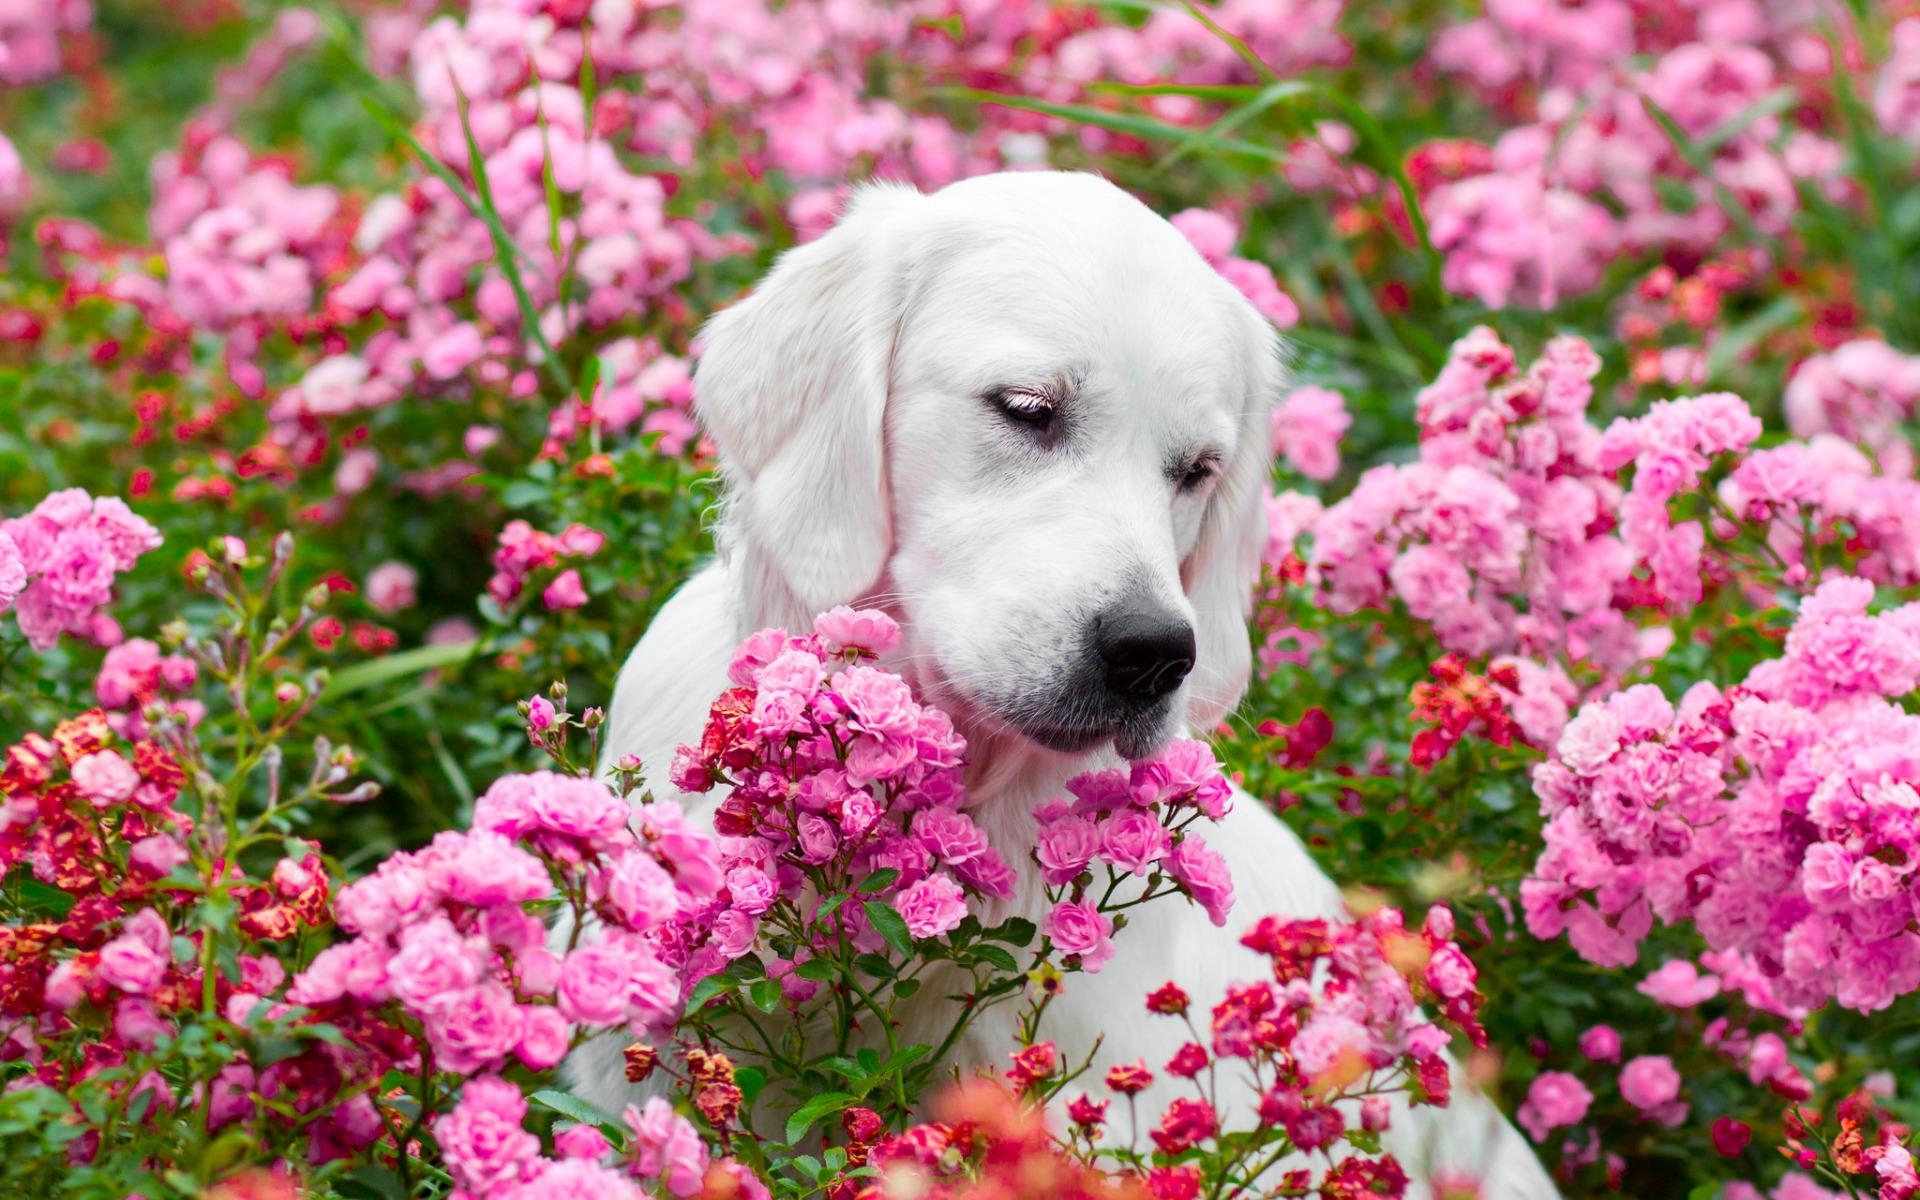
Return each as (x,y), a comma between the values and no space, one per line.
(1864,391)
(1780,817)
(493,1156)
(525,550)
(135,674)
(30,37)
(1592,175)
(1670,450)
(1132,822)
(1501,535)
(445,932)
(836,777)
(241,239)
(58,562)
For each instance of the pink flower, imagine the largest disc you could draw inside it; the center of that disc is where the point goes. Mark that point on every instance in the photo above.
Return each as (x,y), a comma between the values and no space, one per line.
(1679,984)
(483,1140)
(868,630)
(667,1147)
(540,714)
(1065,847)
(1134,840)
(476,1029)
(1185,772)
(105,778)
(581,1141)
(1600,1043)
(1307,427)
(390,587)
(643,893)
(933,906)
(1079,928)
(595,982)
(566,591)
(1201,870)
(1649,1082)
(434,963)
(13,572)
(1556,1099)
(132,964)
(544,1038)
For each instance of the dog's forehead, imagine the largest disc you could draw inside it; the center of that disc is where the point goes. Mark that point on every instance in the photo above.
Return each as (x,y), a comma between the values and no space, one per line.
(1125,302)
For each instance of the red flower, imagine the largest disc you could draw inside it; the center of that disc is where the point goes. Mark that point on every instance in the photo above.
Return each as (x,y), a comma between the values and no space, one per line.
(1184,1125)
(1168,1000)
(1188,1061)
(1130,1079)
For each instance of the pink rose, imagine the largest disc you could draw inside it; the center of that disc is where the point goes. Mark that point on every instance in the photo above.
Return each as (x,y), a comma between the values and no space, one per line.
(1078,927)
(932,906)
(476,1029)
(1199,869)
(1556,1099)
(1065,847)
(391,587)
(1601,1044)
(1134,840)
(868,629)
(566,591)
(434,963)
(594,984)
(104,777)
(1648,1082)
(666,1147)
(544,1035)
(482,1139)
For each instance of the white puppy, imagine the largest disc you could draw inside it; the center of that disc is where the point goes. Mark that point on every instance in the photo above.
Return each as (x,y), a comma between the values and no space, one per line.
(1026,418)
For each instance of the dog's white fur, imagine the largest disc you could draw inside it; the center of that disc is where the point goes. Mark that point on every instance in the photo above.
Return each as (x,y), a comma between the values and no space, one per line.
(851,398)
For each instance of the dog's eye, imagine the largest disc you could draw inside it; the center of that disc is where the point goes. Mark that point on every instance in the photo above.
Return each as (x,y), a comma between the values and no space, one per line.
(1198,472)
(1024,406)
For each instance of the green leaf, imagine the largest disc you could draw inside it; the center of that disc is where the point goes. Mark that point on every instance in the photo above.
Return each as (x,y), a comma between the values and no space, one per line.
(878,880)
(817,969)
(1015,931)
(823,1105)
(708,988)
(417,661)
(573,1108)
(997,957)
(906,988)
(765,995)
(751,1081)
(889,925)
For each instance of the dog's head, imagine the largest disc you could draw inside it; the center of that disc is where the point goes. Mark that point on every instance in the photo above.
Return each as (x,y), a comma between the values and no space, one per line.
(1025,416)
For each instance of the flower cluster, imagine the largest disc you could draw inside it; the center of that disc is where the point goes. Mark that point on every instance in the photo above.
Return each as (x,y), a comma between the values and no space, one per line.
(240,239)
(1615,161)
(88,997)
(836,777)
(446,932)
(1866,392)
(1338,1028)
(1776,816)
(58,562)
(493,1156)
(1131,823)
(525,550)
(1501,535)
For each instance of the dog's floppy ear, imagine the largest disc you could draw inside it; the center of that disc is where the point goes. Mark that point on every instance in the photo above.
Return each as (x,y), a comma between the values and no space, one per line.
(1220,574)
(792,387)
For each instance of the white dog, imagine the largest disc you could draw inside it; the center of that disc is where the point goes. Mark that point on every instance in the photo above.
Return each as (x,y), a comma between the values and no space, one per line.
(1026,418)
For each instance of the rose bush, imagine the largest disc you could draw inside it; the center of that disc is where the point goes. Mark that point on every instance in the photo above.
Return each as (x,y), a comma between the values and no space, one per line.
(1586,625)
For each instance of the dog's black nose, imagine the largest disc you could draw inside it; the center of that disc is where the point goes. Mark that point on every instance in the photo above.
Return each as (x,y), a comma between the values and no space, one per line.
(1147,650)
